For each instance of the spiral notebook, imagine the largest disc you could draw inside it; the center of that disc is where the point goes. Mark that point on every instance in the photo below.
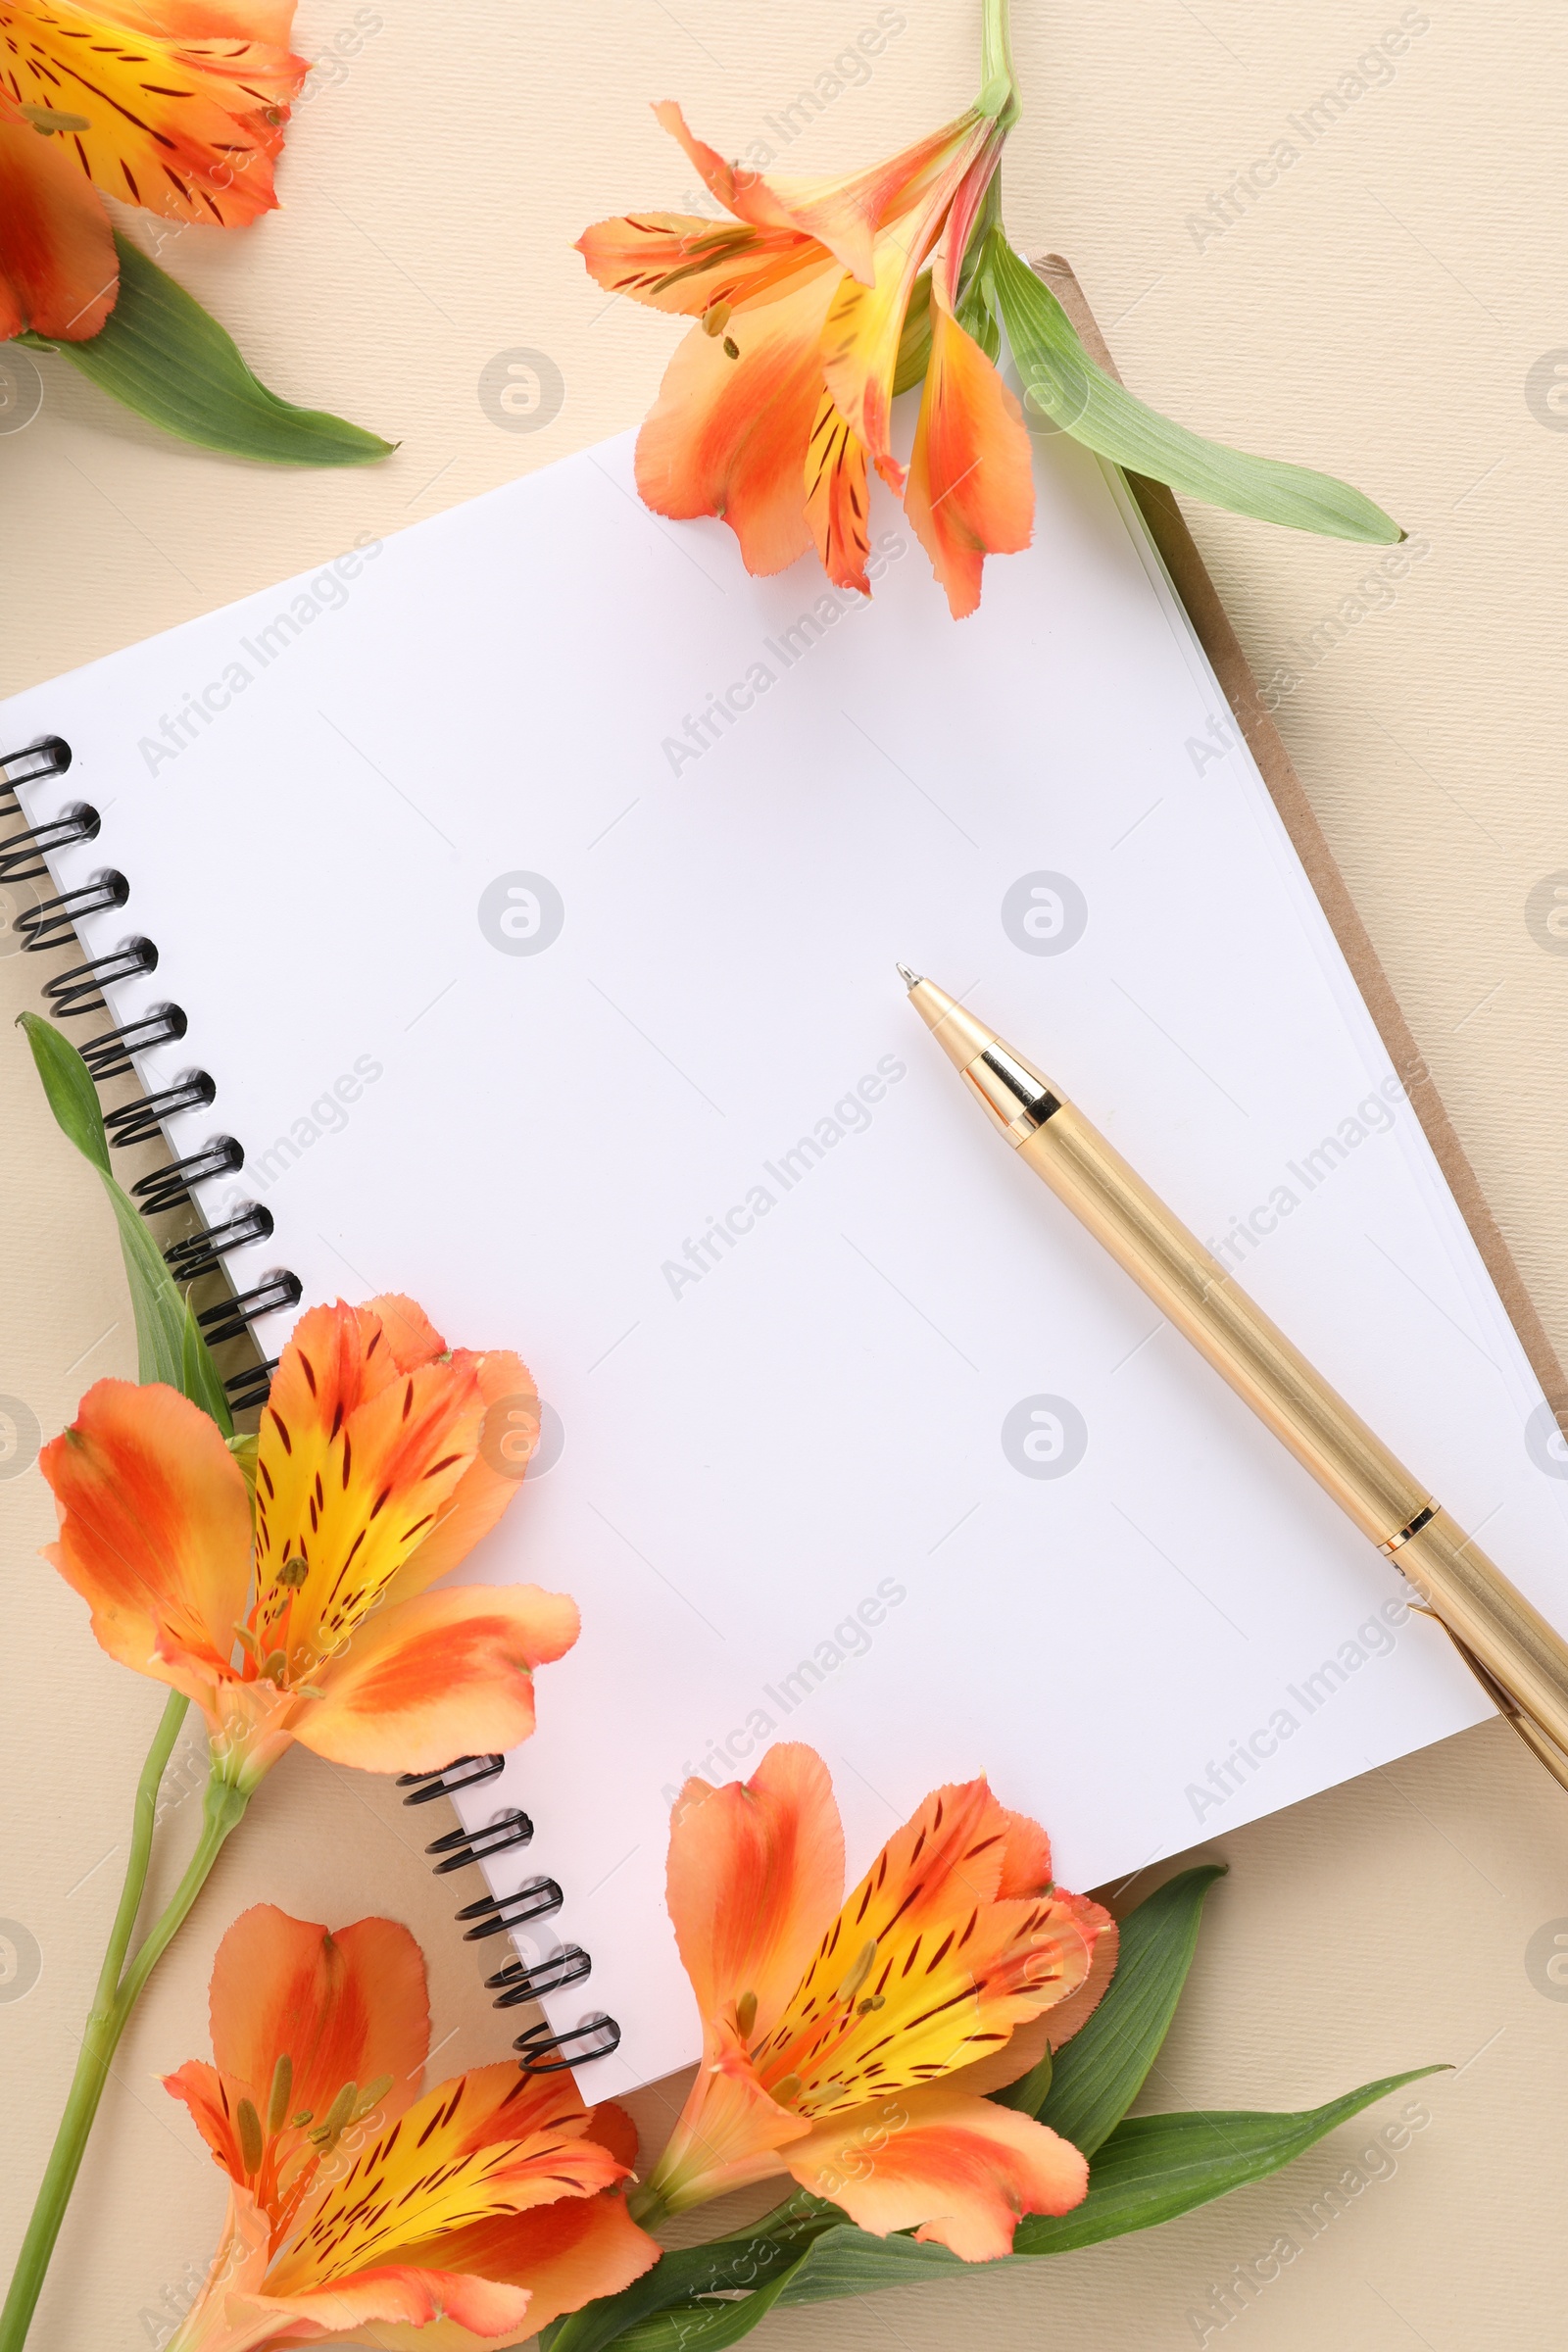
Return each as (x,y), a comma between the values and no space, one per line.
(529,888)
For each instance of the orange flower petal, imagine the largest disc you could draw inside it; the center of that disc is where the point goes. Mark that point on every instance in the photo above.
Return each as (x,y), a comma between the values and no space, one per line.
(756,1870)
(186,119)
(970,491)
(432,1678)
(841,213)
(1025,1858)
(728,2134)
(925,1969)
(866,322)
(390,2294)
(846,214)
(58,273)
(507,1436)
(565,2254)
(614,2130)
(356,1462)
(1104,1937)
(154,1530)
(683,263)
(959,2171)
(201,2088)
(728,436)
(347,2005)
(490,2142)
(742,192)
(270,20)
(342,2009)
(406,1329)
(838,503)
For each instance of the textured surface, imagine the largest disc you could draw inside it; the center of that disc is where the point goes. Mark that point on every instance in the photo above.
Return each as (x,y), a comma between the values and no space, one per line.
(1378,310)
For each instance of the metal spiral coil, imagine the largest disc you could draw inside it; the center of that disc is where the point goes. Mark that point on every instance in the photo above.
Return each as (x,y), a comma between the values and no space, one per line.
(536,2046)
(520,1980)
(495,1914)
(526,1980)
(109,1055)
(48,924)
(50,756)
(170,1188)
(82,988)
(459,1847)
(251,1386)
(236,1315)
(200,1252)
(22,854)
(430,1784)
(139,1122)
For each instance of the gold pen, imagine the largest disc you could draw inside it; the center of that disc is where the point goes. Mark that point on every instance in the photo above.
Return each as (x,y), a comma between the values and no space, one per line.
(1520,1660)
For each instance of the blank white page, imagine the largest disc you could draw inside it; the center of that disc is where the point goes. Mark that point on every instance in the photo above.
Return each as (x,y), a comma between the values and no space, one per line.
(534,892)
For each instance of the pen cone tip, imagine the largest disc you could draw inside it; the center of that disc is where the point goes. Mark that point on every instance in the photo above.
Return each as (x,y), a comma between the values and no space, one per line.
(910,979)
(961,1036)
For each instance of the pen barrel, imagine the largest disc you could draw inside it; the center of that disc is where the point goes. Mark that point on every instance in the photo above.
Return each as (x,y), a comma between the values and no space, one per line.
(1254,1357)
(1490,1617)
(1189,1285)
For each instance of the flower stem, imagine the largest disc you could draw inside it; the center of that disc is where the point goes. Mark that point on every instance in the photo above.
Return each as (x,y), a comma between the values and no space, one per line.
(119,1988)
(1000,88)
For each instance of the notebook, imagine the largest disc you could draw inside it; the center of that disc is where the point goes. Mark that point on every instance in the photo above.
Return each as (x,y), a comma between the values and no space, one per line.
(532,884)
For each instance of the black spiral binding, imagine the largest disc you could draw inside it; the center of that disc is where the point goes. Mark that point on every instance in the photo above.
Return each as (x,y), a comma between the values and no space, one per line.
(75,994)
(540,2051)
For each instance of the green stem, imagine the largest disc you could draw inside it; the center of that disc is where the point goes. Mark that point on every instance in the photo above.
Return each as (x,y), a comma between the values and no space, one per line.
(143,1820)
(223,1810)
(999,87)
(119,1990)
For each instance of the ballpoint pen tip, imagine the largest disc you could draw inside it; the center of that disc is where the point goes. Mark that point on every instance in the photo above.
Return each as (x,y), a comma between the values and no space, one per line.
(910,979)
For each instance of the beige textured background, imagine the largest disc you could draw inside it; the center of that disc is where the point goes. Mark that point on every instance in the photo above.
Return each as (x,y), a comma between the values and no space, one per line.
(1377,312)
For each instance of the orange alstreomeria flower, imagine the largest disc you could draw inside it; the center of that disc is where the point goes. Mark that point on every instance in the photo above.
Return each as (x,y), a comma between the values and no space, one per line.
(298,1609)
(472,2215)
(848,2043)
(179,106)
(774,404)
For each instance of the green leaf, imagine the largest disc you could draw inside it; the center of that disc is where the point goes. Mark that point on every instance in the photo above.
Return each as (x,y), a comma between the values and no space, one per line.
(1099,2073)
(68,1084)
(169,1345)
(1063,385)
(1151,2170)
(167,359)
(753,2258)
(1155,2167)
